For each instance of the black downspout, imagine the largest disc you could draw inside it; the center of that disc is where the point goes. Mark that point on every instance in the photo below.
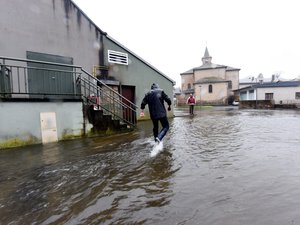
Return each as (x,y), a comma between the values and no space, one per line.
(103,72)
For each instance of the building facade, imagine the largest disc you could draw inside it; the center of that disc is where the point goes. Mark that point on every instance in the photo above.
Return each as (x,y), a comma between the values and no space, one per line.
(281,93)
(212,84)
(59,32)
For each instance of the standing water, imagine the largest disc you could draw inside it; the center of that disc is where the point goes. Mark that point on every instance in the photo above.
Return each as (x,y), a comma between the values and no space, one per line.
(223,166)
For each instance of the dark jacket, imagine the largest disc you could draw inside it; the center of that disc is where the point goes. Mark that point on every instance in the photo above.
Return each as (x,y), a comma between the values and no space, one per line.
(155,99)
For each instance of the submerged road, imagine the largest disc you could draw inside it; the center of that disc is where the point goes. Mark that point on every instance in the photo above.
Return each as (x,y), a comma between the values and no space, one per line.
(223,166)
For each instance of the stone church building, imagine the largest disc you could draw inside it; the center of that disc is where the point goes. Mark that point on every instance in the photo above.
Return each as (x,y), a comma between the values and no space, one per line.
(210,83)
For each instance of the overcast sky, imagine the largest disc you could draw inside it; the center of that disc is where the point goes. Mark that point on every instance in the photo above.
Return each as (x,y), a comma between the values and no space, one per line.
(257,36)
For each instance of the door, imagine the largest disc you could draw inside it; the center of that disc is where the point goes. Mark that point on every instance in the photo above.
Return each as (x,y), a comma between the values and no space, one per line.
(48,127)
(129,93)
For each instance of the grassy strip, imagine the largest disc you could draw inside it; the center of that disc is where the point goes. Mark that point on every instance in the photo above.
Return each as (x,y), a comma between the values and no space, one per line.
(195,107)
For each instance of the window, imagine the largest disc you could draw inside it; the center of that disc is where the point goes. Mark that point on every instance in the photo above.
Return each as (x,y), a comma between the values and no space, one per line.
(230,84)
(269,96)
(117,57)
(251,95)
(210,88)
(189,86)
(243,95)
(297,95)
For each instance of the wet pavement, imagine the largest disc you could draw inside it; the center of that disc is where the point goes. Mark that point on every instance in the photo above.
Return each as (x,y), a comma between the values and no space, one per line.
(222,166)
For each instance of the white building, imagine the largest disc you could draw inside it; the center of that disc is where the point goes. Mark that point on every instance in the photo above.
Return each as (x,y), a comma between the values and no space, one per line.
(281,93)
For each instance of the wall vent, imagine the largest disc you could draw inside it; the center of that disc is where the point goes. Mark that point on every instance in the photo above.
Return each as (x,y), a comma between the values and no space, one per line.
(117,57)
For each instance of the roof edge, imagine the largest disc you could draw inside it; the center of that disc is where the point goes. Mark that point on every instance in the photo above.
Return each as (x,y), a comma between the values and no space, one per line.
(122,46)
(138,57)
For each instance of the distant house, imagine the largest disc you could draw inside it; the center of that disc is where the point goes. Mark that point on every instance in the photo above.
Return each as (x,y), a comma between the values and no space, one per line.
(280,94)
(176,95)
(251,80)
(211,83)
(54,63)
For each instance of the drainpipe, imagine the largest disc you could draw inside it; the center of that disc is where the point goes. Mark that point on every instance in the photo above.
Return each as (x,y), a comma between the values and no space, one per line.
(103,68)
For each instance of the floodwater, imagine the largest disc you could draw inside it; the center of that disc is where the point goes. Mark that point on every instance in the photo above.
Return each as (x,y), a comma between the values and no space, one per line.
(223,166)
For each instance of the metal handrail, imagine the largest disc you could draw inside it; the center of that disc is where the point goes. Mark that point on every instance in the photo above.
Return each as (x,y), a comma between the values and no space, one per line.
(118,105)
(17,84)
(37,61)
(102,83)
(64,65)
(99,89)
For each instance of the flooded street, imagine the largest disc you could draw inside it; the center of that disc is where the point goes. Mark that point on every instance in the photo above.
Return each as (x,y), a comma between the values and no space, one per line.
(223,166)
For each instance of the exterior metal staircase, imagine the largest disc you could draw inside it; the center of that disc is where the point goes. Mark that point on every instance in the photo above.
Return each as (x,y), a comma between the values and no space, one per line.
(28,79)
(104,104)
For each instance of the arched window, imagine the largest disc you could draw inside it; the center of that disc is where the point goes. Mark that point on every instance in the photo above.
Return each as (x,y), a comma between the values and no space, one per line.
(210,88)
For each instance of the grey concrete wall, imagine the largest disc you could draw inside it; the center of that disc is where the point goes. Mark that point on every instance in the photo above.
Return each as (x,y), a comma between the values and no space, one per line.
(59,28)
(138,74)
(20,121)
(51,27)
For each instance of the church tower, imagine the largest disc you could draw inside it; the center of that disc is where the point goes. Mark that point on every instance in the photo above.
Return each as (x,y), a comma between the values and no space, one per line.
(206,59)
(211,83)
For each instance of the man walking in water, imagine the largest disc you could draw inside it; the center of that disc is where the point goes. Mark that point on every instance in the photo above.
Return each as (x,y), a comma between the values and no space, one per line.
(155,99)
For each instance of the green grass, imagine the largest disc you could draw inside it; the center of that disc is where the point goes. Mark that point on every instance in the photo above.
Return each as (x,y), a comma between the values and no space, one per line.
(195,107)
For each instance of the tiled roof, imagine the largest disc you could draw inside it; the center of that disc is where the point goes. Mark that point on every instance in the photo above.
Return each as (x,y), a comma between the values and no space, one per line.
(211,80)
(272,85)
(231,68)
(208,67)
(278,84)
(188,72)
(122,46)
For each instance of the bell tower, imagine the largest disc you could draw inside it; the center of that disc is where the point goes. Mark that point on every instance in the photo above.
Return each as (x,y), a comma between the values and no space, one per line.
(206,59)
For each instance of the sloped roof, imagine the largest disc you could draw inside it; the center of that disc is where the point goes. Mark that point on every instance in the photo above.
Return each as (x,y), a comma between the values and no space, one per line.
(252,80)
(211,80)
(191,71)
(208,67)
(120,45)
(278,84)
(138,57)
(229,68)
(272,85)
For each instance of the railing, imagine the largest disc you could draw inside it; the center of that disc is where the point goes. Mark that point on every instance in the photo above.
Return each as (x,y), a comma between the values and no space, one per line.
(107,99)
(21,78)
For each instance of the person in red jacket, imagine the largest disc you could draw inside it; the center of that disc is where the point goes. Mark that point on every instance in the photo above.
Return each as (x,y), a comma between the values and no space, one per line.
(191,102)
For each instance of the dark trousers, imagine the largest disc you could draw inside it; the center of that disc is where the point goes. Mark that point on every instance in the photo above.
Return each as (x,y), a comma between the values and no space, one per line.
(191,109)
(165,127)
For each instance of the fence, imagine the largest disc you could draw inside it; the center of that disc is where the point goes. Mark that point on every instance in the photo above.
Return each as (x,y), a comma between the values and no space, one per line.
(28,79)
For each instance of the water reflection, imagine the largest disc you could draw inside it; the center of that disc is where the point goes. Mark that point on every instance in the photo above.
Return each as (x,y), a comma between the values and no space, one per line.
(222,166)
